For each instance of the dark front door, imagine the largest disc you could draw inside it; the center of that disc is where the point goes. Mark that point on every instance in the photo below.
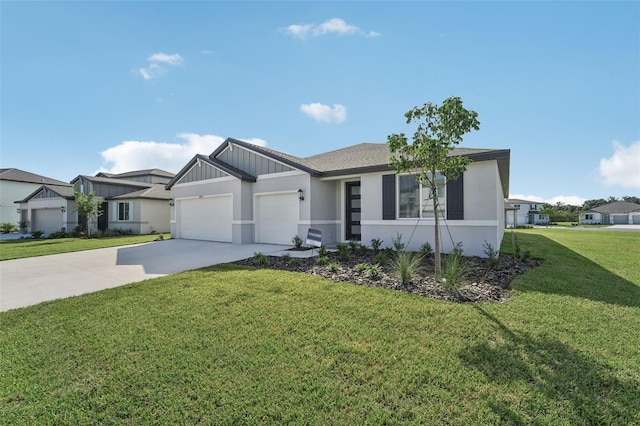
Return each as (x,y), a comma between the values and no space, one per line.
(103,219)
(353,211)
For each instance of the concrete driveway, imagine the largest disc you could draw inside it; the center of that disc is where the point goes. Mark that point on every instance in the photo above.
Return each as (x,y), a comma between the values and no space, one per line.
(25,282)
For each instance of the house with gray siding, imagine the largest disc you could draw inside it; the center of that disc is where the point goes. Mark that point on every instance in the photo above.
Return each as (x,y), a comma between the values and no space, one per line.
(616,213)
(242,193)
(140,205)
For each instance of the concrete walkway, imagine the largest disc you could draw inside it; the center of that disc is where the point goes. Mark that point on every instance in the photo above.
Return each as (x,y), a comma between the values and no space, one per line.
(25,282)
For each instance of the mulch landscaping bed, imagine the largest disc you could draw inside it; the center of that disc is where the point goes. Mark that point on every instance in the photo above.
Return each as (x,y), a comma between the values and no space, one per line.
(481,284)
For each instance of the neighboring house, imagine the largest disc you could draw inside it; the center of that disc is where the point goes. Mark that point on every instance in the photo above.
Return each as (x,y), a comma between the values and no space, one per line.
(243,193)
(16,184)
(616,213)
(140,205)
(525,212)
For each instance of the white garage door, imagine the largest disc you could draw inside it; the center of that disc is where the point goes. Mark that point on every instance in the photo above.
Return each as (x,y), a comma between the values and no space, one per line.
(277,218)
(636,219)
(620,220)
(206,218)
(46,220)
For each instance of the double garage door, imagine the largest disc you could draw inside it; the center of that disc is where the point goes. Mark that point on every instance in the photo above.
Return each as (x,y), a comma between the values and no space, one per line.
(210,218)
(46,220)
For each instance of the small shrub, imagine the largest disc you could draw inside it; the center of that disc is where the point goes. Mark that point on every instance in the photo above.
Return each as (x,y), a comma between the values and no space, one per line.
(374,271)
(294,261)
(381,257)
(521,254)
(297,242)
(58,234)
(334,267)
(398,245)
(406,265)
(322,260)
(260,258)
(362,248)
(343,253)
(492,255)
(457,249)
(77,232)
(353,245)
(375,244)
(36,235)
(361,267)
(286,257)
(160,237)
(455,270)
(7,228)
(322,251)
(426,249)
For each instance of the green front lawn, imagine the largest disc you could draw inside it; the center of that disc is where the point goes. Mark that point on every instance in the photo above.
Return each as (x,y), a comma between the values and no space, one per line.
(21,248)
(228,345)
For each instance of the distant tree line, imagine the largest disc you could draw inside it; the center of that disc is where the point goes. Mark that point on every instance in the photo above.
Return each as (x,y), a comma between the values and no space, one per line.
(560,212)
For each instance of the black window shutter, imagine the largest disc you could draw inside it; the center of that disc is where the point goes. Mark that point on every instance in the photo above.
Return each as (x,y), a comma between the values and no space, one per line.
(388,197)
(455,199)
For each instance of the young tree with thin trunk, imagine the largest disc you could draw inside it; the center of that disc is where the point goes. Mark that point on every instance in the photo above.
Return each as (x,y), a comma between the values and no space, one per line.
(440,129)
(87,205)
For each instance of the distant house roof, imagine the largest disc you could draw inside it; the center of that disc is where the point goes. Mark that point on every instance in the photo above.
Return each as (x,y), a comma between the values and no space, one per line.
(113,181)
(64,191)
(17,175)
(519,201)
(156,192)
(135,173)
(617,207)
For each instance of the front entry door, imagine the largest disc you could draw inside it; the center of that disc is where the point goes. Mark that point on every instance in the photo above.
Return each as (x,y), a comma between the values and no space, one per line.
(353,212)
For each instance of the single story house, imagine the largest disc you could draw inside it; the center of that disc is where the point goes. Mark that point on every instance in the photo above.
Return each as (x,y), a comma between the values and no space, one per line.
(243,193)
(16,184)
(616,213)
(525,212)
(140,205)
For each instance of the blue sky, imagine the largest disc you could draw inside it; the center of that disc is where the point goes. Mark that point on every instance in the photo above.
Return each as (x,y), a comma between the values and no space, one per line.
(118,86)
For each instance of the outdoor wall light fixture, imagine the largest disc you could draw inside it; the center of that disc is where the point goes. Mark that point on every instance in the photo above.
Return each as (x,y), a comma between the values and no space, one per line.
(300,195)
(63,209)
(172,202)
(18,210)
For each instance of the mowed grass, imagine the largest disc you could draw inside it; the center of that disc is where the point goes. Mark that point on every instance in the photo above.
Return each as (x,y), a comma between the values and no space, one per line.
(228,345)
(22,248)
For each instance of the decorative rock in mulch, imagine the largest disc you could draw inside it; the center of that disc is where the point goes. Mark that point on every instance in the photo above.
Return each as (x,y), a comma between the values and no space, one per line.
(479,284)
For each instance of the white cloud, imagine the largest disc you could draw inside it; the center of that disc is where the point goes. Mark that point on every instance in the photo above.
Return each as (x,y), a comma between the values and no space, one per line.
(335,25)
(207,52)
(140,155)
(320,112)
(155,60)
(332,26)
(174,59)
(623,167)
(572,200)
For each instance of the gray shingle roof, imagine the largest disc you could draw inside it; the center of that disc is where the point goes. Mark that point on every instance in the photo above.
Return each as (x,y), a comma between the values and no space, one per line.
(617,207)
(18,175)
(146,172)
(156,192)
(519,201)
(65,191)
(114,181)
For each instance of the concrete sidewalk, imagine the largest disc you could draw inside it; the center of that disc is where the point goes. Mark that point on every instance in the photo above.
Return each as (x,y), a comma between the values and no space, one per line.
(25,282)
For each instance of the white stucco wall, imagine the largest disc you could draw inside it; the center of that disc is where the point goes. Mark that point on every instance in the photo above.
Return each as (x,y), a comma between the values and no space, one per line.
(11,191)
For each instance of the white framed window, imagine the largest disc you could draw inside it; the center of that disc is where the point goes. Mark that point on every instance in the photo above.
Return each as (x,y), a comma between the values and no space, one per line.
(124,211)
(588,216)
(414,199)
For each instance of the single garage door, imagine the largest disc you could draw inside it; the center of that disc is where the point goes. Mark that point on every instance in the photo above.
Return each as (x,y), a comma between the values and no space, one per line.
(620,219)
(636,219)
(206,218)
(277,217)
(46,220)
